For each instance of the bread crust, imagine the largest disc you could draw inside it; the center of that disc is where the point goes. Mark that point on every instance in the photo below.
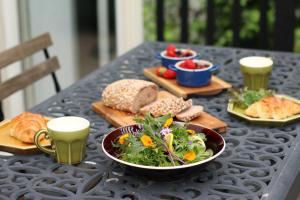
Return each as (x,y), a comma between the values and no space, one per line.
(25,125)
(169,105)
(128,94)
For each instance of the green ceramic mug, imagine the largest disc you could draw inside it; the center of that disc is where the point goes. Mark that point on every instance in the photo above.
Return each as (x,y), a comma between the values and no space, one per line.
(256,71)
(68,139)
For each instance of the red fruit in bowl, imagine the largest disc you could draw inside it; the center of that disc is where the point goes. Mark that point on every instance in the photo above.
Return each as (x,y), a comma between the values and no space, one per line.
(188,64)
(171,47)
(169,74)
(160,71)
(171,50)
(171,54)
(187,53)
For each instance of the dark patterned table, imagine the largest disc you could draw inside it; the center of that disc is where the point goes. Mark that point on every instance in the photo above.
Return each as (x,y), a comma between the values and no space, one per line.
(258,163)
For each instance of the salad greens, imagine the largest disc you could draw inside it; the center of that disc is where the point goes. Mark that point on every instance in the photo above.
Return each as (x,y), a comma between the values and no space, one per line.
(244,97)
(162,142)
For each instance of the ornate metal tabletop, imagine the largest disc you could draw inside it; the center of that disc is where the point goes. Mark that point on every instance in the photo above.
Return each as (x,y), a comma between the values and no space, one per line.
(258,163)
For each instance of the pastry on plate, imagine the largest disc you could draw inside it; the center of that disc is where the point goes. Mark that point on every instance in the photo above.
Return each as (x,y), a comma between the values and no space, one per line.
(25,125)
(273,107)
(129,94)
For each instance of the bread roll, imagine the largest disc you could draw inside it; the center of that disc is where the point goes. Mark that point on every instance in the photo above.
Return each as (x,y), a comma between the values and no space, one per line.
(25,125)
(129,94)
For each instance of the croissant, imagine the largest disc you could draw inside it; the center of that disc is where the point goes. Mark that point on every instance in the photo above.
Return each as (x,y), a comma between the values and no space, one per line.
(25,125)
(273,108)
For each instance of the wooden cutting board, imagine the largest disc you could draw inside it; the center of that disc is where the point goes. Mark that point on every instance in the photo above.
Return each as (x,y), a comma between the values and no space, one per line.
(216,85)
(120,118)
(12,145)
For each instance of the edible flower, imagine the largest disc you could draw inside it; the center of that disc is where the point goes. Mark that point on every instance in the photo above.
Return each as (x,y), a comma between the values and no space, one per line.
(123,137)
(189,156)
(191,132)
(169,140)
(165,131)
(168,122)
(147,141)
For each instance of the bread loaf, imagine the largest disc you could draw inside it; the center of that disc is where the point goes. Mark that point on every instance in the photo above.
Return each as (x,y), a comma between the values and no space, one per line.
(129,94)
(189,114)
(25,125)
(169,105)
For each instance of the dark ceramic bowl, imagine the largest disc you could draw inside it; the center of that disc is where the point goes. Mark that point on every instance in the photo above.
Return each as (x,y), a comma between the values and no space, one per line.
(214,141)
(167,61)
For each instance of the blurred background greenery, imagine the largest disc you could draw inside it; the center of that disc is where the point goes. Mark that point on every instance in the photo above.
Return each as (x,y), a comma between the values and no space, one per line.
(249,32)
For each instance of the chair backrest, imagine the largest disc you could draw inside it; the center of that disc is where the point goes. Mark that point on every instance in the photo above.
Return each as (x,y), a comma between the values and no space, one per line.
(33,74)
(284,25)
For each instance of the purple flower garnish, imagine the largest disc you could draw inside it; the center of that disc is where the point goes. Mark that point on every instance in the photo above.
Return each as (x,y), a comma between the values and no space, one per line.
(165,131)
(190,142)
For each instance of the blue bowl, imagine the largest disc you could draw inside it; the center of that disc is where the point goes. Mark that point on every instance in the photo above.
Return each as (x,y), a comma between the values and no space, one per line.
(167,61)
(194,77)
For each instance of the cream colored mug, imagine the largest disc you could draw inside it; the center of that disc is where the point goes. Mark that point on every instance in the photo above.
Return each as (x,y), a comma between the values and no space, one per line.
(256,71)
(68,139)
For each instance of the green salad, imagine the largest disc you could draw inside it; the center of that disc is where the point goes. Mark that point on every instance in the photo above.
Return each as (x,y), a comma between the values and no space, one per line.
(244,97)
(162,142)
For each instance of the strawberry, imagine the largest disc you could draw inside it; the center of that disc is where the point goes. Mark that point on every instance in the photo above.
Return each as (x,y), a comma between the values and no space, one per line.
(160,71)
(171,50)
(188,64)
(171,54)
(169,74)
(171,47)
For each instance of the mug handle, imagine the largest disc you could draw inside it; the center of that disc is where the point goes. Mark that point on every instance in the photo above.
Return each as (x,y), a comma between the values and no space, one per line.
(215,68)
(172,67)
(197,57)
(158,56)
(37,142)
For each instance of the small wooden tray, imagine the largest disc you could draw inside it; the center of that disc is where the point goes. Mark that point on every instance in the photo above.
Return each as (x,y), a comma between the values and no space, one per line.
(12,145)
(120,118)
(216,86)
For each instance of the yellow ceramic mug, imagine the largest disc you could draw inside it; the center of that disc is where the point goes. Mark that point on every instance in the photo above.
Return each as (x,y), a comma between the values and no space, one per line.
(68,139)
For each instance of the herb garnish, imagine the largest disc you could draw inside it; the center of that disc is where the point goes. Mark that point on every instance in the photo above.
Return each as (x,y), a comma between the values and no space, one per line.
(162,143)
(244,97)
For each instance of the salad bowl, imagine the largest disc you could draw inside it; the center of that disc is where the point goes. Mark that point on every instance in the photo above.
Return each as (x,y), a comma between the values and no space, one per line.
(214,141)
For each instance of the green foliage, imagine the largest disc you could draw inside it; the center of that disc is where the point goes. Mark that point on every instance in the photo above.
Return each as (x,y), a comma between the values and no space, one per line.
(162,151)
(244,97)
(249,32)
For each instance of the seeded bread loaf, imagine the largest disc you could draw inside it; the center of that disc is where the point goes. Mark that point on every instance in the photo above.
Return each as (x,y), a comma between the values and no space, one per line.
(169,105)
(189,114)
(129,94)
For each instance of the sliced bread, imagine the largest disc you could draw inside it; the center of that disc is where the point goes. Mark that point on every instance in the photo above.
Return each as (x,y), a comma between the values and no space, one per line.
(169,105)
(189,114)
